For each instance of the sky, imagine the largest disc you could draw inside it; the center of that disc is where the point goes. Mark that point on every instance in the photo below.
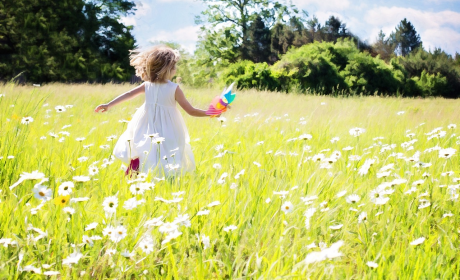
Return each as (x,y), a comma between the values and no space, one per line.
(436,21)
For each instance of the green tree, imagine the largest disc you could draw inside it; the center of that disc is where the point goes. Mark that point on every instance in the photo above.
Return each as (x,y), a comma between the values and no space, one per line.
(232,18)
(335,29)
(405,38)
(383,47)
(68,40)
(314,28)
(259,41)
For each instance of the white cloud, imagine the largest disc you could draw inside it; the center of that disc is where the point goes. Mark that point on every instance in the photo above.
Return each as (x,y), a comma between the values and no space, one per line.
(186,37)
(436,29)
(321,5)
(143,8)
(128,21)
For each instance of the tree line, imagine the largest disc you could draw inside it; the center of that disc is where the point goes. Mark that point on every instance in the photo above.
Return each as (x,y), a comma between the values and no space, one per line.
(265,44)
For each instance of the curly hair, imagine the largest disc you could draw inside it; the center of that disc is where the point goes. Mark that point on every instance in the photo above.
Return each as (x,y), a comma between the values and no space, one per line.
(154,64)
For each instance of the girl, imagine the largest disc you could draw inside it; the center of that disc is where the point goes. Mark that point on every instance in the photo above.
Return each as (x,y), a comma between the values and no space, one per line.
(156,136)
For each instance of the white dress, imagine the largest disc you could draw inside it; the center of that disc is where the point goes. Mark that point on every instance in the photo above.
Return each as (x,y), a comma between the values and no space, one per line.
(158,114)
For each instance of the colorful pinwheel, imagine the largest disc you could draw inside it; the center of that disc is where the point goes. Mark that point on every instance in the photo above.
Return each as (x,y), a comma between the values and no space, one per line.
(219,103)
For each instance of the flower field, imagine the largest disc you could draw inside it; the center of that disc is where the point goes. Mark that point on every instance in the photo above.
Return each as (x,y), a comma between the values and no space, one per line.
(286,186)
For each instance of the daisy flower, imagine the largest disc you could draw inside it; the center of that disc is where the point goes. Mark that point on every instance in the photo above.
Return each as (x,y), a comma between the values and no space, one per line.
(110,204)
(168,227)
(65,188)
(93,170)
(418,241)
(42,192)
(202,213)
(230,228)
(108,230)
(305,137)
(356,131)
(118,234)
(146,246)
(69,210)
(72,258)
(91,226)
(60,109)
(353,198)
(27,120)
(372,264)
(287,207)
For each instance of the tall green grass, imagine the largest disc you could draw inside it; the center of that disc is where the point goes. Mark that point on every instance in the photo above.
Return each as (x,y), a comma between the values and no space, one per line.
(267,243)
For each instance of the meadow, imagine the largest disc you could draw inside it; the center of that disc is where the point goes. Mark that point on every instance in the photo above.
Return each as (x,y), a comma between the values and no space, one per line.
(287,186)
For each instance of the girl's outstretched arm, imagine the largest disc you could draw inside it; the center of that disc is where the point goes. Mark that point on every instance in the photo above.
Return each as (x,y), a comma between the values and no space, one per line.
(121,98)
(183,102)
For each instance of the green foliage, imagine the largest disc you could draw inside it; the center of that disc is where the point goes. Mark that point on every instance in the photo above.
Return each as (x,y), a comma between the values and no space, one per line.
(431,84)
(70,40)
(384,47)
(314,66)
(340,68)
(405,38)
(239,15)
(259,41)
(433,63)
(248,74)
(365,74)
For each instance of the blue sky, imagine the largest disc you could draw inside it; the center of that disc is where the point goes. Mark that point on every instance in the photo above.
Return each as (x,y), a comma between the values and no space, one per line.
(436,21)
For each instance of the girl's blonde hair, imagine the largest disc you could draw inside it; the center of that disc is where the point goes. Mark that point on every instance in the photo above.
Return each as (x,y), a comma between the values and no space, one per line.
(154,64)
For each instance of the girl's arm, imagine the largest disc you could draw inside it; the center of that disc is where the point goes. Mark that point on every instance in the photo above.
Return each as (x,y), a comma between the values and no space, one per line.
(183,102)
(121,98)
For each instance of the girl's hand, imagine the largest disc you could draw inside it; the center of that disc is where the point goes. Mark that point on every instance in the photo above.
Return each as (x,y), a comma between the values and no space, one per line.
(221,113)
(103,108)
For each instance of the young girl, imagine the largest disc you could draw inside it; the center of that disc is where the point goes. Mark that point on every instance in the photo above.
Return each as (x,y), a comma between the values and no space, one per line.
(156,137)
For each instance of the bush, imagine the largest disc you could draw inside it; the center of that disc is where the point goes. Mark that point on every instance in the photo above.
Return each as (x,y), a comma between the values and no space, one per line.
(431,84)
(328,68)
(314,66)
(247,74)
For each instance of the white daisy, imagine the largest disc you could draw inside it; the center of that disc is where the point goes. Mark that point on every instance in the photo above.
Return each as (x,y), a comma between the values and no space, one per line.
(110,204)
(356,131)
(81,178)
(372,264)
(202,213)
(336,227)
(69,210)
(230,228)
(118,234)
(65,188)
(60,109)
(418,241)
(42,192)
(146,246)
(212,204)
(27,120)
(91,226)
(362,217)
(353,198)
(72,258)
(168,227)
(287,207)
(93,170)
(447,153)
